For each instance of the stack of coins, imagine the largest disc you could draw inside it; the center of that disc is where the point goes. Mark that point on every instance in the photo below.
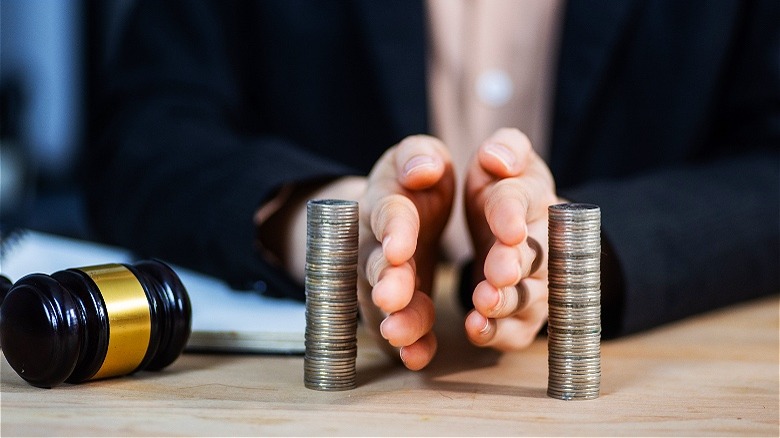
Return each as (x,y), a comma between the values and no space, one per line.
(574,325)
(331,295)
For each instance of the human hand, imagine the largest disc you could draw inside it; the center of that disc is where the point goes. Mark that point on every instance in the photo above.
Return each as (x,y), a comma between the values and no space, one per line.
(404,205)
(404,209)
(508,189)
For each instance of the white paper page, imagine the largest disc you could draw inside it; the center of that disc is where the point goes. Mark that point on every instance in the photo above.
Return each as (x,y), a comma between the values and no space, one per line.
(222,319)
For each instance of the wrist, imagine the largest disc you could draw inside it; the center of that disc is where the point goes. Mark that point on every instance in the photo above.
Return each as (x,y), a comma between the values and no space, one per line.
(281,221)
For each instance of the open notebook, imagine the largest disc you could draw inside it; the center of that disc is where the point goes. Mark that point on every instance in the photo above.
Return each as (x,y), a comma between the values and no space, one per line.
(223,319)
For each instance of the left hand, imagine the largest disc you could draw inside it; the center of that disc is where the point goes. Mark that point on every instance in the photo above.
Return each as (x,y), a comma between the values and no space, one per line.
(508,189)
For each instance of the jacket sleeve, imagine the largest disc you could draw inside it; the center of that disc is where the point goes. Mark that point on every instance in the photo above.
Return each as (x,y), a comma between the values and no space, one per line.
(705,234)
(691,240)
(175,173)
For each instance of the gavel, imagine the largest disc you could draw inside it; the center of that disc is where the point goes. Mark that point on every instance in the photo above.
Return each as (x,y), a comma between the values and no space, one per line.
(93,322)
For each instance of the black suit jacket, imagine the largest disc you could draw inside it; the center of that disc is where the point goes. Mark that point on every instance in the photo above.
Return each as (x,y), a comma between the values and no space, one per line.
(666,114)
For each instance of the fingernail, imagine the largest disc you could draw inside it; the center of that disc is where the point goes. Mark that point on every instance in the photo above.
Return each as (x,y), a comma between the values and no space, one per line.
(386,242)
(402,354)
(486,329)
(502,153)
(381,328)
(499,303)
(419,162)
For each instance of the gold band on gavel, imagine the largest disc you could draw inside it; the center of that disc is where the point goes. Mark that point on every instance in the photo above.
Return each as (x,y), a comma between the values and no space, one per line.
(129,318)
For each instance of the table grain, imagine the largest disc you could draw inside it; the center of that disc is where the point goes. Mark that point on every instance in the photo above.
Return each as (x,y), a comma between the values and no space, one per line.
(715,374)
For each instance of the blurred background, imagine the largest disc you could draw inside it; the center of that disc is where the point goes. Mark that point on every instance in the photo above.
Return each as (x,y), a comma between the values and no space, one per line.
(51,54)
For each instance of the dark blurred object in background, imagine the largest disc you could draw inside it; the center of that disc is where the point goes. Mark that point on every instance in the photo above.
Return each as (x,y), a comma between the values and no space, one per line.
(51,54)
(17,175)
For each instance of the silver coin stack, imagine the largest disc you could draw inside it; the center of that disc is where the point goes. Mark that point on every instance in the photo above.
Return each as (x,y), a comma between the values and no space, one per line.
(331,295)
(574,324)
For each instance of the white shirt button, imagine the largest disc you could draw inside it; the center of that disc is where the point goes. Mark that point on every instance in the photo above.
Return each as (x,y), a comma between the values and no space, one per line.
(494,88)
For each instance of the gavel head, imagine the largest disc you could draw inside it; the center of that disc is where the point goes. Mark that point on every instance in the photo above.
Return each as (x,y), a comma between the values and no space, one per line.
(94,322)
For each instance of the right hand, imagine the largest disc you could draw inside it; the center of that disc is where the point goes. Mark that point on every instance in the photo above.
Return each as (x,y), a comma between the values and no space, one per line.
(508,191)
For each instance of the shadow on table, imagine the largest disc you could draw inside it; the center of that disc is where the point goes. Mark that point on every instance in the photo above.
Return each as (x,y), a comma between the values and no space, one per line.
(455,355)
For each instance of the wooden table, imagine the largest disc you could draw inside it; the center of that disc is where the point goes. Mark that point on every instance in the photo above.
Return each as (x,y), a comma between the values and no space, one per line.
(716,374)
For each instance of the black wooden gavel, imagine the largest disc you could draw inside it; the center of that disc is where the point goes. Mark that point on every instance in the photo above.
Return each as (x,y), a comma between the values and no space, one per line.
(93,322)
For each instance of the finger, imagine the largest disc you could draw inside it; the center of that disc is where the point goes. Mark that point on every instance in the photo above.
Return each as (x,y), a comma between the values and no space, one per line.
(516,331)
(493,302)
(419,354)
(479,329)
(506,210)
(506,265)
(507,301)
(392,286)
(406,326)
(420,161)
(396,224)
(505,153)
(504,334)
